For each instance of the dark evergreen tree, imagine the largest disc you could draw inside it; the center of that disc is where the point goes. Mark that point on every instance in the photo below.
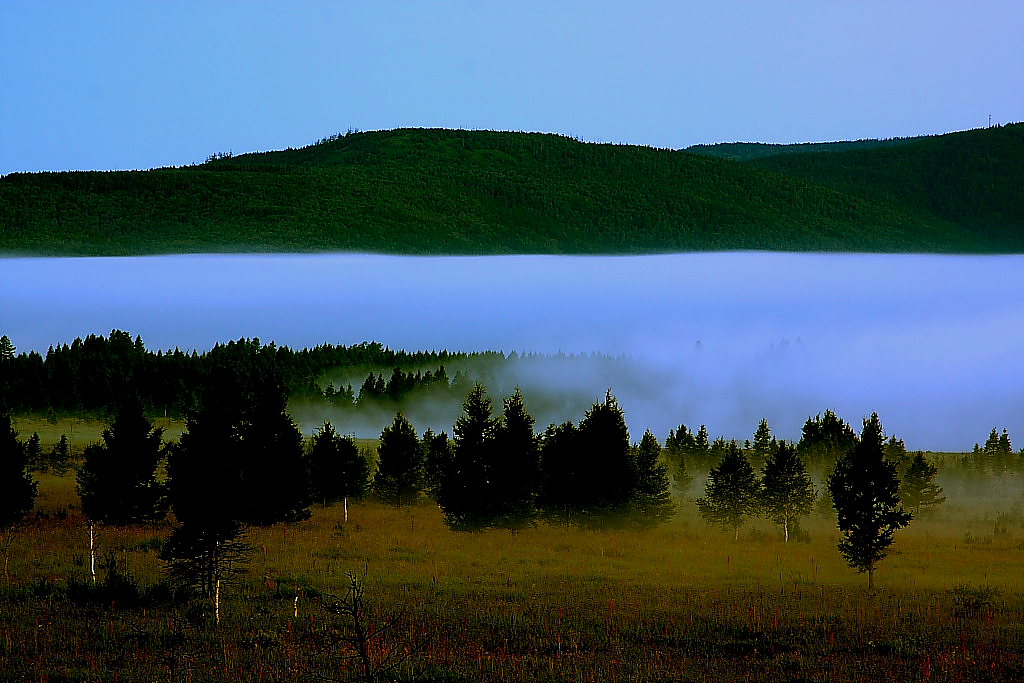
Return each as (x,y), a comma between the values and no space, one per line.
(222,474)
(7,349)
(702,448)
(918,488)
(865,494)
(515,466)
(34,459)
(205,469)
(400,467)
(337,470)
(651,499)
(17,488)
(701,442)
(825,438)
(731,493)
(786,489)
(607,482)
(438,460)
(466,494)
(1005,446)
(763,445)
(998,452)
(895,451)
(117,482)
(275,484)
(59,458)
(680,451)
(562,464)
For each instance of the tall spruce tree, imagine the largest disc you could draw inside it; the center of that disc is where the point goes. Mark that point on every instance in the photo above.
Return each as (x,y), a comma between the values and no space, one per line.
(466,494)
(118,480)
(239,462)
(680,447)
(515,468)
(337,470)
(34,458)
(865,494)
(59,458)
(918,488)
(275,480)
(651,498)
(438,460)
(607,482)
(400,467)
(731,493)
(825,438)
(562,463)
(786,490)
(763,445)
(17,487)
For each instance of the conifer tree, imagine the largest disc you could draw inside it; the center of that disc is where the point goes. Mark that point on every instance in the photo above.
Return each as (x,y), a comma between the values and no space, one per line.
(607,481)
(34,454)
(764,443)
(731,493)
(895,451)
(399,477)
(680,447)
(239,462)
(786,489)
(865,494)
(515,470)
(466,493)
(17,487)
(59,458)
(438,460)
(701,444)
(918,488)
(117,482)
(651,499)
(825,438)
(562,463)
(7,349)
(275,482)
(337,470)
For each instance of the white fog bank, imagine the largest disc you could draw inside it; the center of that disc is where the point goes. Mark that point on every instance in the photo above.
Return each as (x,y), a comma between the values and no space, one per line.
(932,343)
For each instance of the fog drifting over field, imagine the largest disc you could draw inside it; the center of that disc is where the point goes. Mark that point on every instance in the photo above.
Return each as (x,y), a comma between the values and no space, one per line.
(932,343)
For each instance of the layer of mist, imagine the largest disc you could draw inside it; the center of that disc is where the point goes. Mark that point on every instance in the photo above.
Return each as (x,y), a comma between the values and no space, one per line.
(932,343)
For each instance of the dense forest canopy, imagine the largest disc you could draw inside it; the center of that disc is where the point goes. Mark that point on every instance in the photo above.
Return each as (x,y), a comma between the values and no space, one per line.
(366,383)
(435,191)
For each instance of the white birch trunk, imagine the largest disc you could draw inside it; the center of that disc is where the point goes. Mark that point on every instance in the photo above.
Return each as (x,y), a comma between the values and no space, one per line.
(346,509)
(216,603)
(92,551)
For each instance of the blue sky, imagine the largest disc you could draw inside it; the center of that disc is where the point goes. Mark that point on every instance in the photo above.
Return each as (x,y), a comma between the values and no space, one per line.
(101,85)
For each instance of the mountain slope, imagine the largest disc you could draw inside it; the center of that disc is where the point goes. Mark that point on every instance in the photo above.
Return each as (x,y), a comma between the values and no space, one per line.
(475,192)
(749,151)
(974,179)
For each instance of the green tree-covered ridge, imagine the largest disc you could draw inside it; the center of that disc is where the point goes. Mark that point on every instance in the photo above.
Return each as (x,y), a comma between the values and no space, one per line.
(435,191)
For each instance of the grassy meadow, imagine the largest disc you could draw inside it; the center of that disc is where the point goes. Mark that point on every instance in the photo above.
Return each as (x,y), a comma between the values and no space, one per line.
(681,602)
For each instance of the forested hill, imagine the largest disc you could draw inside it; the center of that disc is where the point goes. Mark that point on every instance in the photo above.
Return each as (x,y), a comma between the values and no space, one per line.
(973,179)
(748,151)
(481,192)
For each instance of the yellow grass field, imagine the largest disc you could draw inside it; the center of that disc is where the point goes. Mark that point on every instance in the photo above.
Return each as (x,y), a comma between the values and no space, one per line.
(682,602)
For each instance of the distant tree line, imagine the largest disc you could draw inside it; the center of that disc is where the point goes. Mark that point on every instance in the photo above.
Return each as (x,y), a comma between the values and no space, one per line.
(94,373)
